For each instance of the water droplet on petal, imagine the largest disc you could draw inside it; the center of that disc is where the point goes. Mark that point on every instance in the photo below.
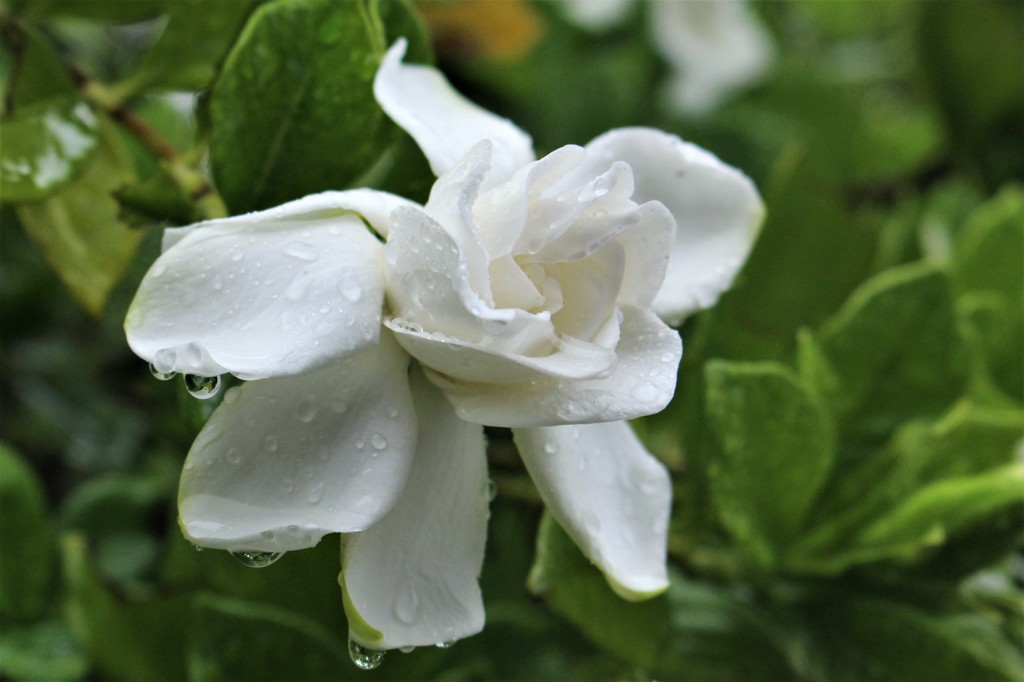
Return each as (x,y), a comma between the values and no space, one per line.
(197,548)
(407,605)
(296,291)
(162,376)
(446,645)
(302,251)
(270,443)
(233,456)
(492,490)
(351,291)
(257,559)
(378,441)
(407,649)
(316,493)
(646,392)
(202,387)
(339,406)
(163,360)
(365,658)
(551,447)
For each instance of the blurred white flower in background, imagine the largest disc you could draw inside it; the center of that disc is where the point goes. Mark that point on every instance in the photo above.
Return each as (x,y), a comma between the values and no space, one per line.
(714,47)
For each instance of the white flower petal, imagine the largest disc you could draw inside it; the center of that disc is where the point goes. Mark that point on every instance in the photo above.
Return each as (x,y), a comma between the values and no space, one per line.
(640,383)
(411,579)
(717,209)
(609,494)
(444,123)
(284,461)
(260,298)
(429,290)
(595,15)
(590,289)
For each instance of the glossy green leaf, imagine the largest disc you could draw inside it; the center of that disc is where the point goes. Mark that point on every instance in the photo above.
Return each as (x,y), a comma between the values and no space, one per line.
(41,651)
(293,110)
(45,146)
(26,562)
(124,639)
(39,73)
(227,632)
(78,231)
(116,11)
(777,447)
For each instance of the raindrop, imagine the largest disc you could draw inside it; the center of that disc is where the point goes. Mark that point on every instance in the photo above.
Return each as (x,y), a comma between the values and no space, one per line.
(407,606)
(306,410)
(296,291)
(407,649)
(551,447)
(339,406)
(492,490)
(197,548)
(378,441)
(257,559)
(164,360)
(351,291)
(668,357)
(202,387)
(446,645)
(162,376)
(364,658)
(315,493)
(233,456)
(268,534)
(392,411)
(646,392)
(302,251)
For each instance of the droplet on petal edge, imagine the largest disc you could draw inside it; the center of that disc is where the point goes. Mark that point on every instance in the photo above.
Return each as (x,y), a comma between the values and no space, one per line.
(257,559)
(407,649)
(364,658)
(202,387)
(162,376)
(445,645)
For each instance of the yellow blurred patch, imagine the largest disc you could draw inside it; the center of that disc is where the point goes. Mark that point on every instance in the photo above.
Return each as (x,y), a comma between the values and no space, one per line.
(496,29)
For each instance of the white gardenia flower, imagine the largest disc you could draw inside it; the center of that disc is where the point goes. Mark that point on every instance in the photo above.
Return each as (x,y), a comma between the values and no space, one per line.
(525,294)
(714,47)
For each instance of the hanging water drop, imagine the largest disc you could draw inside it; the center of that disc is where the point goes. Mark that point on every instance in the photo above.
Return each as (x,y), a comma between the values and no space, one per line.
(202,387)
(162,376)
(364,658)
(492,490)
(197,548)
(445,645)
(257,559)
(407,649)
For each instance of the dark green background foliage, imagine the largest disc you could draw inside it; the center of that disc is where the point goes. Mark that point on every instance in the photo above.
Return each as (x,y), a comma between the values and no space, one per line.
(848,433)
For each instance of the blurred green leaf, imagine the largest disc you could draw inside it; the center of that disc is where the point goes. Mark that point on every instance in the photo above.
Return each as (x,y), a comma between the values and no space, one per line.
(898,642)
(279,100)
(126,640)
(637,632)
(44,148)
(694,631)
(26,562)
(42,651)
(894,349)
(39,73)
(964,447)
(228,631)
(777,447)
(194,40)
(77,229)
(947,507)
(958,44)
(117,11)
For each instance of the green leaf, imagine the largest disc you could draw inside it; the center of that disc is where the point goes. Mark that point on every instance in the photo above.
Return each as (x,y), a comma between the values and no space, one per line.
(78,231)
(777,447)
(293,110)
(947,507)
(116,11)
(42,651)
(125,639)
(894,348)
(44,148)
(39,73)
(227,632)
(194,40)
(26,561)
